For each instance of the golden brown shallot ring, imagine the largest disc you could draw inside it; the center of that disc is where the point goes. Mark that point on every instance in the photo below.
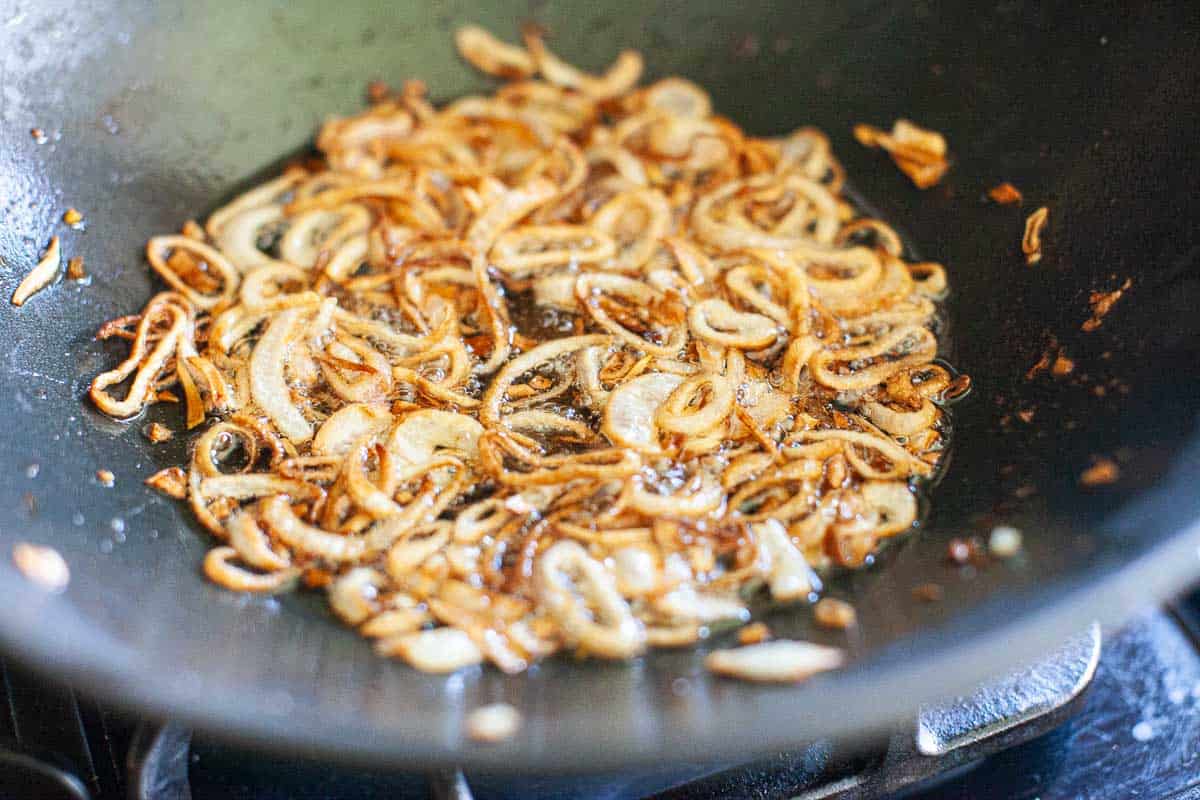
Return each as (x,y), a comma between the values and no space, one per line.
(696,406)
(268,385)
(631,414)
(637,240)
(45,271)
(218,570)
(533,248)
(910,345)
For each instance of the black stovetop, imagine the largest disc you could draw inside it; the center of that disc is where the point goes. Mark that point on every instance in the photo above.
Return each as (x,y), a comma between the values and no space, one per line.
(1134,733)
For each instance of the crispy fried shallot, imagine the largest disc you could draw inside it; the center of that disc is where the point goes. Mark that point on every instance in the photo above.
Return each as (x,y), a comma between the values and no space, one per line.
(575,365)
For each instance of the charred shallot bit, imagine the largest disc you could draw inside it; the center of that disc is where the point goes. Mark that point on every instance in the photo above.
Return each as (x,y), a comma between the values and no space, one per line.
(919,153)
(570,366)
(1101,303)
(1102,472)
(1031,241)
(171,481)
(1005,194)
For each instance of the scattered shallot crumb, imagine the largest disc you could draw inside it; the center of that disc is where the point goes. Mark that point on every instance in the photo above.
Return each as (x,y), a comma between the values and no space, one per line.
(1005,541)
(166,396)
(171,481)
(1005,194)
(1062,366)
(1102,473)
(958,551)
(1031,242)
(43,565)
(192,230)
(38,135)
(75,269)
(928,592)
(493,723)
(754,633)
(377,92)
(105,477)
(158,433)
(830,612)
(517,504)
(1025,415)
(72,217)
(1101,303)
(1025,490)
(957,388)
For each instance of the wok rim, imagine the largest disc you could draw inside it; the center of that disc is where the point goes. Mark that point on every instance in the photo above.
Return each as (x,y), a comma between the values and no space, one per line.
(870,698)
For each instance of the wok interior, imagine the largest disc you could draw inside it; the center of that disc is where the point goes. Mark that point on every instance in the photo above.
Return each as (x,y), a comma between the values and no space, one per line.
(158,114)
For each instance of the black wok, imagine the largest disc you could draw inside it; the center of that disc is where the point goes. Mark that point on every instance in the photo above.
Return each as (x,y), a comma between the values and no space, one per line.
(156,113)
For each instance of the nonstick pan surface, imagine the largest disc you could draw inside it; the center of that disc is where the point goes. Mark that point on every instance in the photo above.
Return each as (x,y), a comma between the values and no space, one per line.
(157,113)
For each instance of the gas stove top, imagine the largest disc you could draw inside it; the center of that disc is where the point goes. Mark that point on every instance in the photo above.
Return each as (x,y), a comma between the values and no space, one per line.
(1117,721)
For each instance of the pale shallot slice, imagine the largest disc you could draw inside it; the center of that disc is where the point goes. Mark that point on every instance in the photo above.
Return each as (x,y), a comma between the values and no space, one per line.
(636,220)
(297,534)
(631,411)
(775,662)
(148,362)
(696,406)
(717,322)
(45,271)
(354,596)
(268,385)
(788,574)
(312,231)
(422,434)
(440,650)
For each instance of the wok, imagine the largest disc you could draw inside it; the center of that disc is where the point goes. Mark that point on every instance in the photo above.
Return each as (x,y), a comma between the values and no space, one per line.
(157,113)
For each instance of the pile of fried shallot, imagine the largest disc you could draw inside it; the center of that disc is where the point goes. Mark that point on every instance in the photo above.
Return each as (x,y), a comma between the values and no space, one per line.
(577,365)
